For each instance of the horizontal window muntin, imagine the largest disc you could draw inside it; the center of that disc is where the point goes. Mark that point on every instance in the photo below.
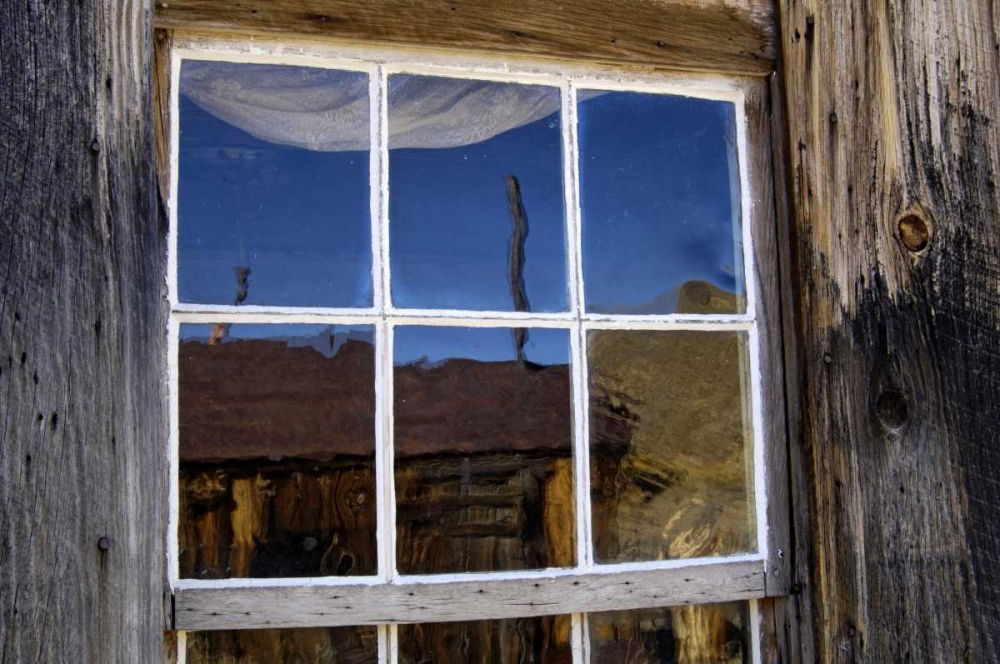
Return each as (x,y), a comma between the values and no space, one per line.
(386,318)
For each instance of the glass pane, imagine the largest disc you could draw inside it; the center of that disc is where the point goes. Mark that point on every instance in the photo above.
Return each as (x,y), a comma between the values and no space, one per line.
(706,633)
(513,641)
(660,196)
(273,204)
(277,451)
(326,645)
(483,450)
(476,200)
(671,463)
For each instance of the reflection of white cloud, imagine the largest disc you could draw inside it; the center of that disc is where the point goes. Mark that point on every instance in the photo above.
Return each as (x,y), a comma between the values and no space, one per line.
(328,111)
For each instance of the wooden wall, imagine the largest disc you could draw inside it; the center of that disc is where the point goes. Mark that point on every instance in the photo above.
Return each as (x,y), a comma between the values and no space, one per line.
(890,170)
(892,161)
(82,352)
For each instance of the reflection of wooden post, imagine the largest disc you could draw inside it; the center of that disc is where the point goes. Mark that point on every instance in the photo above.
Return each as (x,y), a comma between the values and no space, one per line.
(515,265)
(220,330)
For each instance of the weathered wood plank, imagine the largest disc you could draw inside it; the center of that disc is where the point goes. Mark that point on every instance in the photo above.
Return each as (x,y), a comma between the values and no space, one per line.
(891,111)
(787,621)
(768,313)
(443,601)
(82,439)
(717,35)
(162,45)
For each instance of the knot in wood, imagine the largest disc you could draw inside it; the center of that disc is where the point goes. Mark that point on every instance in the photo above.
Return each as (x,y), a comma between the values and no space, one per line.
(892,409)
(914,232)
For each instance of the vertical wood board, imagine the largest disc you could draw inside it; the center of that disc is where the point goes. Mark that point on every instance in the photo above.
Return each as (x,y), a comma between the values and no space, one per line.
(82,336)
(891,112)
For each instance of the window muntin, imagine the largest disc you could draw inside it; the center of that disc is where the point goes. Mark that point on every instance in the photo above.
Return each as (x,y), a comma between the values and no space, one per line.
(387,317)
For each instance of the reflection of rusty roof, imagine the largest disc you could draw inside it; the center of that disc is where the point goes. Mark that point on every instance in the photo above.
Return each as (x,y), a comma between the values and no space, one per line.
(259,398)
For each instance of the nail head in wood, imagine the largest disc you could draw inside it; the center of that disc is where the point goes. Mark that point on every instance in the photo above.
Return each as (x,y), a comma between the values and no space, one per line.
(104,543)
(914,232)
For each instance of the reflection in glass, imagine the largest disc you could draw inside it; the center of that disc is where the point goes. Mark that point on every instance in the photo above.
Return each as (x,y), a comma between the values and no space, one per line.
(321,645)
(273,205)
(483,450)
(682,634)
(660,197)
(512,641)
(671,463)
(277,451)
(476,202)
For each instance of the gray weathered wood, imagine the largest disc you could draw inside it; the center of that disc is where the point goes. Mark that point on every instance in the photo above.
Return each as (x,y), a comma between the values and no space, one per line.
(82,404)
(772,395)
(720,35)
(787,621)
(891,111)
(410,602)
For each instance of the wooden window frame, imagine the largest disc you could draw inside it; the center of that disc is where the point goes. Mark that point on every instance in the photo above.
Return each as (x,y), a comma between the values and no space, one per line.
(387,600)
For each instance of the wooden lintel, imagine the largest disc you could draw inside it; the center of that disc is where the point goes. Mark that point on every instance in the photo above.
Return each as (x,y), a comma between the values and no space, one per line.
(733,36)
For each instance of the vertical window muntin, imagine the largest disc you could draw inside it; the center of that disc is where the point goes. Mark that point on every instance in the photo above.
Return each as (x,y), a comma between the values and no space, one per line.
(385,316)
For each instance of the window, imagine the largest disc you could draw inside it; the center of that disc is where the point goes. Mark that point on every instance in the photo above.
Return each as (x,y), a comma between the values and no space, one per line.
(469,359)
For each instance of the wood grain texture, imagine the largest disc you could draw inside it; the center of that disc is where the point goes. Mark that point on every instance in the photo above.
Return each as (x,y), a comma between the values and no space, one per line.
(446,601)
(716,35)
(786,622)
(891,110)
(162,45)
(82,327)
(772,337)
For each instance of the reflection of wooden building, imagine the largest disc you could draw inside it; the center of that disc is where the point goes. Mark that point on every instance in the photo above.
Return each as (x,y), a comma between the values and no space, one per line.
(278,452)
(264,494)
(278,478)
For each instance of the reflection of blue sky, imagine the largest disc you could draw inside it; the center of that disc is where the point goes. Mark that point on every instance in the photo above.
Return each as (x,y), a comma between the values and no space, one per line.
(656,197)
(326,339)
(412,342)
(435,344)
(655,190)
(451,226)
(298,218)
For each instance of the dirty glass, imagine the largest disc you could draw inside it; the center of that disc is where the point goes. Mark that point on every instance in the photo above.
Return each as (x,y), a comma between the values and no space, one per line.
(320,645)
(475,195)
(277,451)
(544,640)
(273,203)
(483,449)
(671,463)
(710,633)
(660,199)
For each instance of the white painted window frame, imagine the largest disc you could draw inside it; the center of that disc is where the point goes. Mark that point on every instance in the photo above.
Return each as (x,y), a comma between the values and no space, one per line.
(387,598)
